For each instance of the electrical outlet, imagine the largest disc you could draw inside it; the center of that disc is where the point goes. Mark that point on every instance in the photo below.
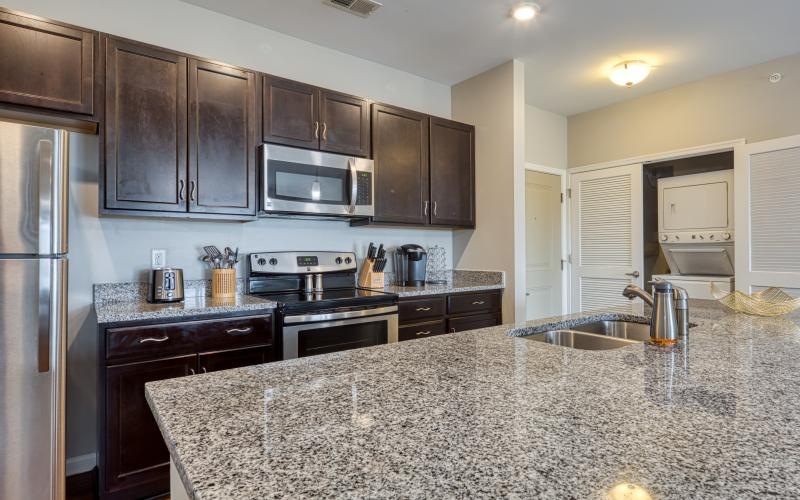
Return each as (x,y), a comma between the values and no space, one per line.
(158,258)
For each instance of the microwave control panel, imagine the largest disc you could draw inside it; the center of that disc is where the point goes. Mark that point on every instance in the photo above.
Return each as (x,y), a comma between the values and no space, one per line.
(364,183)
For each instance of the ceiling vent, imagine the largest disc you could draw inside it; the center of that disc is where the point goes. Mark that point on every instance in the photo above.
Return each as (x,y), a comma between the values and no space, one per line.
(361,8)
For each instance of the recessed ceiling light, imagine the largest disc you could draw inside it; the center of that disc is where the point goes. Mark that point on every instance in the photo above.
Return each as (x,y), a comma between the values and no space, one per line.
(629,73)
(525,11)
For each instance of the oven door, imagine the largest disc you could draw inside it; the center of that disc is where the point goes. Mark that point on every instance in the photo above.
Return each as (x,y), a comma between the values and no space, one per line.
(307,182)
(311,334)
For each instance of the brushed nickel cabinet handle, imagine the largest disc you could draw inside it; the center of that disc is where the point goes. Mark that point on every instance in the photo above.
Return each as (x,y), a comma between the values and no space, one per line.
(435,209)
(423,309)
(478,303)
(239,331)
(426,207)
(181,189)
(316,130)
(424,333)
(452,330)
(153,339)
(192,191)
(324,131)
(203,369)
(192,372)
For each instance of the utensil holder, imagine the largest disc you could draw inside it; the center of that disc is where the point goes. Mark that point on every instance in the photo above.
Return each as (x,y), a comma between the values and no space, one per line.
(367,278)
(223,283)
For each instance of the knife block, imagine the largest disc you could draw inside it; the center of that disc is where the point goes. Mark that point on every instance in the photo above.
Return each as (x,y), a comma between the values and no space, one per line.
(367,278)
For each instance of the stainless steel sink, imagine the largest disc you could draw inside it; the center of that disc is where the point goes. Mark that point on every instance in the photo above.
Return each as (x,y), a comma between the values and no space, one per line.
(580,340)
(617,329)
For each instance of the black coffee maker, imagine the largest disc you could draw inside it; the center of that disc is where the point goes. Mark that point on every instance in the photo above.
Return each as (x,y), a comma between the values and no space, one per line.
(410,262)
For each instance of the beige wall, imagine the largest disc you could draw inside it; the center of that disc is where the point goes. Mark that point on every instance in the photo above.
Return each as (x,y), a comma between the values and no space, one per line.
(118,249)
(734,105)
(494,102)
(545,138)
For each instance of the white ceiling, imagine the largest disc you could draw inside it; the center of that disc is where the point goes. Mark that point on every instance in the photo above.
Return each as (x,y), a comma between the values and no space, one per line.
(566,49)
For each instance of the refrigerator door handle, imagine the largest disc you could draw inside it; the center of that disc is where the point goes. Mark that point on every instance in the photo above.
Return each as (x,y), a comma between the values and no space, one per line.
(53,194)
(52,310)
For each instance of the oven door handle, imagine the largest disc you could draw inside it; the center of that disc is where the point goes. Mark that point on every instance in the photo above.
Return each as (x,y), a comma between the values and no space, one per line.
(310,318)
(353,184)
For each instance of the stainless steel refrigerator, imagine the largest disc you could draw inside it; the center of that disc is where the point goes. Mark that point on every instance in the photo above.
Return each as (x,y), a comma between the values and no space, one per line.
(33,306)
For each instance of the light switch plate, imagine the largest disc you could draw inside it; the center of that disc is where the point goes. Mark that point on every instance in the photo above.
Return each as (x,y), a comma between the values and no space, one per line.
(158,258)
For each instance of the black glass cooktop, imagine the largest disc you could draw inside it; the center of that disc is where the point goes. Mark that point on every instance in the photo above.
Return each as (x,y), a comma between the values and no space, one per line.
(330,299)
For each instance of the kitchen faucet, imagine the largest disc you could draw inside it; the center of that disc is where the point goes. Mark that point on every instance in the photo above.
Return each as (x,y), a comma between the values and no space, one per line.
(670,316)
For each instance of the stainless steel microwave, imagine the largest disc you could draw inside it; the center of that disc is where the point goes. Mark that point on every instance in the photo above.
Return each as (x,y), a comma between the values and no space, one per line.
(316,184)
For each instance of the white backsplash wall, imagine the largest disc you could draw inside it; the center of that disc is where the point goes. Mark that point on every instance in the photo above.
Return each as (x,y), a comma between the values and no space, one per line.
(113,249)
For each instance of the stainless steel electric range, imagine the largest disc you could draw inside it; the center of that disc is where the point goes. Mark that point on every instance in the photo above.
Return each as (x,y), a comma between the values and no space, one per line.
(320,309)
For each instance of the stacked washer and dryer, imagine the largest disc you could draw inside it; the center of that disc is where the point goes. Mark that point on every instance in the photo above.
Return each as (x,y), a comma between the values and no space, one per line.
(696,231)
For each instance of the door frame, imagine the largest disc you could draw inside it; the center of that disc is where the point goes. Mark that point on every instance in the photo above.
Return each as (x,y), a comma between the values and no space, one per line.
(565,265)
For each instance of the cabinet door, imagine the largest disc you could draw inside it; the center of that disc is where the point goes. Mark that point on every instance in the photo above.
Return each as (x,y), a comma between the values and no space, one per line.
(291,113)
(465,323)
(135,454)
(222,139)
(45,64)
(345,124)
(145,130)
(225,360)
(452,173)
(400,151)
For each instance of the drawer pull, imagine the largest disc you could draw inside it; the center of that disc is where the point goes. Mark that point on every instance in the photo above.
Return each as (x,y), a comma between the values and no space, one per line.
(452,330)
(424,333)
(239,331)
(478,303)
(423,309)
(192,372)
(153,339)
(203,369)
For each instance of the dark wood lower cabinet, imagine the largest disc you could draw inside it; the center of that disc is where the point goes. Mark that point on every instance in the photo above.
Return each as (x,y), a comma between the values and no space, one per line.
(422,317)
(133,460)
(136,459)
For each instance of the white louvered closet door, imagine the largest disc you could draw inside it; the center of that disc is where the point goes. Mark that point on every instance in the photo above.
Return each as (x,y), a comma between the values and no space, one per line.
(607,248)
(767,204)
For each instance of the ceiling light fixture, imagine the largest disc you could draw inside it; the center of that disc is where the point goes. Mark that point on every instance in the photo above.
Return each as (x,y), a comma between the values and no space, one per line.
(629,73)
(525,11)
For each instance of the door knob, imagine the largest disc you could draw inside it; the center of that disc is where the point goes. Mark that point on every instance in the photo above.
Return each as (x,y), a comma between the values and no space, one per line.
(635,274)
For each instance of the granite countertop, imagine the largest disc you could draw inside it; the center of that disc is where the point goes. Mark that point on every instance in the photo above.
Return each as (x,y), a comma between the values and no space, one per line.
(485,414)
(123,302)
(457,281)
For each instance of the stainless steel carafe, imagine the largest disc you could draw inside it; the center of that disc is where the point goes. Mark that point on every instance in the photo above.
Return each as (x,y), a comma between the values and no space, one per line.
(663,324)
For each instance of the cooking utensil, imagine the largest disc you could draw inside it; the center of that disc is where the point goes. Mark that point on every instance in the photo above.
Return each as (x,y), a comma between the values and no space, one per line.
(212,251)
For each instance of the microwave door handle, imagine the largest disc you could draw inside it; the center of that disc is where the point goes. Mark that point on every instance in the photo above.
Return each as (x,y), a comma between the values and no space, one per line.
(353,184)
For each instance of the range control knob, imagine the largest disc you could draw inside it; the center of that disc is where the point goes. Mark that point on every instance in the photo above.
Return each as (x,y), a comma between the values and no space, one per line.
(273,261)
(338,260)
(664,237)
(348,260)
(711,237)
(262,261)
(726,236)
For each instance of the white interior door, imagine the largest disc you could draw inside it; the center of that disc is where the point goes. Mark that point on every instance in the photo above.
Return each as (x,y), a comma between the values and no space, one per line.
(607,236)
(767,186)
(543,273)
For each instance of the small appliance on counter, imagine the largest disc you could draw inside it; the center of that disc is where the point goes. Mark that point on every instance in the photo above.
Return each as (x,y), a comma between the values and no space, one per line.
(320,309)
(410,265)
(696,231)
(166,285)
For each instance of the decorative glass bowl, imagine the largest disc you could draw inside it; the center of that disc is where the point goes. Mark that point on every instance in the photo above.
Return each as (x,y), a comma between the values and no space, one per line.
(769,302)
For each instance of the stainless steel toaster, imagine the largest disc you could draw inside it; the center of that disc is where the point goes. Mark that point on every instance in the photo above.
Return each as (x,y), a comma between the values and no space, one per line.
(166,285)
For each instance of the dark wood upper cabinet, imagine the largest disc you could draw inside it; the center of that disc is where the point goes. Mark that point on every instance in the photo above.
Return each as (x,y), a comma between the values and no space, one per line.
(136,459)
(222,139)
(291,113)
(45,64)
(452,173)
(400,151)
(145,128)
(345,124)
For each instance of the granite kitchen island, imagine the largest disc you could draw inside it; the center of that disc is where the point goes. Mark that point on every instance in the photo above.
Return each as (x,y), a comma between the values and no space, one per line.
(487,414)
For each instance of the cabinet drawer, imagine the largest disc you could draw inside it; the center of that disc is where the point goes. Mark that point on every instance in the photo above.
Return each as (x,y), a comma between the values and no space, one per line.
(473,302)
(465,323)
(167,339)
(421,330)
(419,309)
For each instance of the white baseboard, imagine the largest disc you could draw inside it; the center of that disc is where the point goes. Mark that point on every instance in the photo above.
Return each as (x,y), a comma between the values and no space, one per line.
(81,464)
